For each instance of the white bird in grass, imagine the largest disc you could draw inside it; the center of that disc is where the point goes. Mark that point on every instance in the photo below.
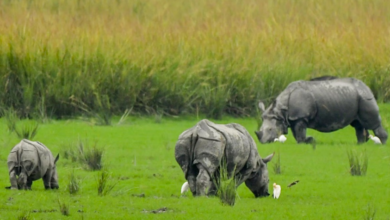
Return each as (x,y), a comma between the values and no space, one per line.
(185,187)
(375,139)
(277,190)
(281,139)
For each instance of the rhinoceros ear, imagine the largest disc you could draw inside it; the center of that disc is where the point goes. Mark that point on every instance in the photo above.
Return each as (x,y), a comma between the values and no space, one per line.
(57,157)
(261,106)
(268,158)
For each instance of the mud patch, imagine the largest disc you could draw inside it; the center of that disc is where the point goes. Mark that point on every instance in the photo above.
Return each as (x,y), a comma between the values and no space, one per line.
(157,211)
(43,210)
(142,195)
(157,175)
(175,196)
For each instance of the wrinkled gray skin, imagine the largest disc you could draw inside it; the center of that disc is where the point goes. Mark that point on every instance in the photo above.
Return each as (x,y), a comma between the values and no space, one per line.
(29,161)
(325,104)
(200,150)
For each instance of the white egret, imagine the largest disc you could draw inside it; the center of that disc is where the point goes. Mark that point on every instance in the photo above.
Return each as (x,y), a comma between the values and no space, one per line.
(185,187)
(277,190)
(281,139)
(375,139)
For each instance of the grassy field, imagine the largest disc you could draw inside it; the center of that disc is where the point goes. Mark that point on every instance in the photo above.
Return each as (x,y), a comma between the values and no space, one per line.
(177,57)
(139,155)
(175,60)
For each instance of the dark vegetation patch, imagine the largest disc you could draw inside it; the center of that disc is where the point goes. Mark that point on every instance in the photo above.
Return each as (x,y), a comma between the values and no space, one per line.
(105,182)
(64,208)
(44,210)
(158,211)
(91,157)
(276,167)
(142,195)
(358,162)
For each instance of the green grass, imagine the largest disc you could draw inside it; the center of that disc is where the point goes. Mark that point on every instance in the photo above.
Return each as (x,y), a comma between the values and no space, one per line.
(140,157)
(73,183)
(358,162)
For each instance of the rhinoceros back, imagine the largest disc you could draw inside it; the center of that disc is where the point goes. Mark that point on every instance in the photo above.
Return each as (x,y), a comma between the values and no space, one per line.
(216,141)
(199,144)
(210,146)
(336,103)
(339,102)
(249,150)
(207,143)
(33,157)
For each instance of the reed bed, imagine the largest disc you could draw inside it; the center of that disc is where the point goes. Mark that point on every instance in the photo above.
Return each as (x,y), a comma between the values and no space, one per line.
(178,57)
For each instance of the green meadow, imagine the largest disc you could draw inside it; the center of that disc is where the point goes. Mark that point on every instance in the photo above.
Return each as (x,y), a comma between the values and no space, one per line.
(139,156)
(151,69)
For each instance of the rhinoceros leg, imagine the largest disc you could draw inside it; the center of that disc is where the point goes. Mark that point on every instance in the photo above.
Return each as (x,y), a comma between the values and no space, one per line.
(13,180)
(361,132)
(299,131)
(203,181)
(29,184)
(381,133)
(47,180)
(22,180)
(192,183)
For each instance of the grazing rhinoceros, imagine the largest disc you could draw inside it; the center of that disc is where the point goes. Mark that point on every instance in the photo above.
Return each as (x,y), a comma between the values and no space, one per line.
(30,161)
(325,104)
(201,149)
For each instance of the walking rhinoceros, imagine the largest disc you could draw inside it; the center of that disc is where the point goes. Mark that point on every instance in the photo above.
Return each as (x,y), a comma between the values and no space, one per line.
(325,104)
(201,149)
(30,161)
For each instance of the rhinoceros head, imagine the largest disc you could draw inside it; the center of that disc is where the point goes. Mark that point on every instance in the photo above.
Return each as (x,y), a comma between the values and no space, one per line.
(54,177)
(258,184)
(22,180)
(274,124)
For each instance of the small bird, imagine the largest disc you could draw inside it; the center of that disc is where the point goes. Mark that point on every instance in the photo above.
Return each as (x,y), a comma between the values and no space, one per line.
(281,139)
(277,190)
(375,139)
(185,187)
(293,183)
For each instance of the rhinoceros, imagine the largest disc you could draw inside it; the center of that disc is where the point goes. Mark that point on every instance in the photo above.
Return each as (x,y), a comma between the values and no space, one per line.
(29,161)
(201,150)
(325,104)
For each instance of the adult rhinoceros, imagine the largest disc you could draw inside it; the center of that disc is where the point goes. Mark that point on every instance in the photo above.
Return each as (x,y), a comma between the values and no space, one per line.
(201,149)
(29,161)
(325,104)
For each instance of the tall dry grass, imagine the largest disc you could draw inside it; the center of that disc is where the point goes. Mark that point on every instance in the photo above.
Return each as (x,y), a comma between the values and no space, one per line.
(180,56)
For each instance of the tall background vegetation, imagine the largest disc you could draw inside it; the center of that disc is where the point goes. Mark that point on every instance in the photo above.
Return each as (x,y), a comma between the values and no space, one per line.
(66,57)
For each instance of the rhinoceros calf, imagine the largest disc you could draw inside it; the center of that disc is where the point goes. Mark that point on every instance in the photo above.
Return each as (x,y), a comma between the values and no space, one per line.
(29,161)
(201,149)
(325,104)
